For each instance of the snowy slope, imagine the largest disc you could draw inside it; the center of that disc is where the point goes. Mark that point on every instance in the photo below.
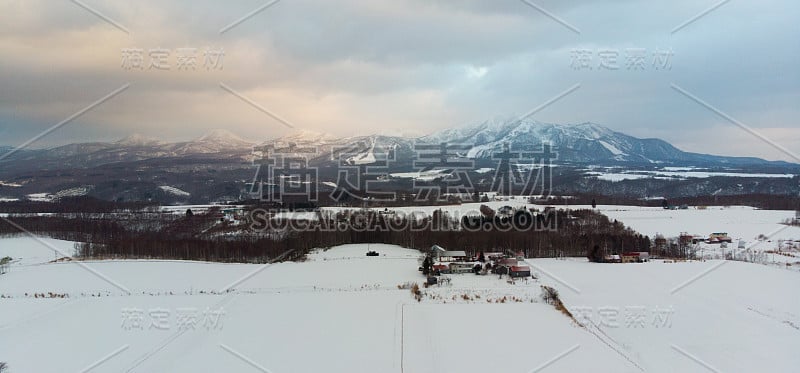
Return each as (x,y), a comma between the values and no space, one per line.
(174,191)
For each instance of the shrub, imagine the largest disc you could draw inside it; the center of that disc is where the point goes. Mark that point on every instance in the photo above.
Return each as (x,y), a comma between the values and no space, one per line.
(406,285)
(416,292)
(550,295)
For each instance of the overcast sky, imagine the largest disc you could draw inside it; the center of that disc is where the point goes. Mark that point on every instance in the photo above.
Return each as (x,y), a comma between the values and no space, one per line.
(404,67)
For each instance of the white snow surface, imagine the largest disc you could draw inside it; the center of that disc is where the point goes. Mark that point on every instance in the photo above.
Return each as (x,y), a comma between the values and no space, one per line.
(671,175)
(341,311)
(613,149)
(739,222)
(174,191)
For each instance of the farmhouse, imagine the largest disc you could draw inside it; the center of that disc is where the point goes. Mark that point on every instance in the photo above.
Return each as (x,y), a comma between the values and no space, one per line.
(719,237)
(455,262)
(493,255)
(461,267)
(441,255)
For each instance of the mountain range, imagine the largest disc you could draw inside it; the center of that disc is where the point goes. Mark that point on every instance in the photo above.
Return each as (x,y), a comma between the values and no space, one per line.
(587,143)
(220,163)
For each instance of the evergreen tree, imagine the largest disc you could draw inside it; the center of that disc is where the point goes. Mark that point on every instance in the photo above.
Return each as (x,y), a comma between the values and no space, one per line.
(426,265)
(595,254)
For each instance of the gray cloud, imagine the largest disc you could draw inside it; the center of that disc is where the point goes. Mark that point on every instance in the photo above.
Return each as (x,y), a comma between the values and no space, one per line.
(350,67)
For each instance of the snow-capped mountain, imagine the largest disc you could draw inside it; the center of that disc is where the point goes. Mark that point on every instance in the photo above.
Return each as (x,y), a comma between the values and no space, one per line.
(578,143)
(218,165)
(133,148)
(306,137)
(218,140)
(586,142)
(323,149)
(138,140)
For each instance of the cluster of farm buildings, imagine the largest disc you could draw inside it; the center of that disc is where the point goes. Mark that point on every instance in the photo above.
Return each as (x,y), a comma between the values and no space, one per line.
(446,262)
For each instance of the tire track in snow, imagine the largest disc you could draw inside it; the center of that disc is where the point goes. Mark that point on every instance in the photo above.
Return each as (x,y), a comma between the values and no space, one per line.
(38,315)
(166,342)
(611,343)
(787,322)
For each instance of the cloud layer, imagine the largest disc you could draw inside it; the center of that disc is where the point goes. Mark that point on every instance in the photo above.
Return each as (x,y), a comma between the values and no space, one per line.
(404,67)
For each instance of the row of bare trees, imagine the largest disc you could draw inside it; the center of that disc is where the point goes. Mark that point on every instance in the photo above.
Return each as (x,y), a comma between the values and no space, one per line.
(203,236)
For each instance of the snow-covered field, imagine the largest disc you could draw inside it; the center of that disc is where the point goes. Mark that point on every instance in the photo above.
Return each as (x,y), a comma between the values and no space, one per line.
(341,311)
(174,191)
(730,316)
(739,222)
(676,174)
(759,232)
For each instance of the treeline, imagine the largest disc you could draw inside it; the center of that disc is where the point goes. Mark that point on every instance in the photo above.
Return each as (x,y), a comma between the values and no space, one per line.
(573,234)
(73,205)
(79,228)
(156,245)
(762,201)
(205,237)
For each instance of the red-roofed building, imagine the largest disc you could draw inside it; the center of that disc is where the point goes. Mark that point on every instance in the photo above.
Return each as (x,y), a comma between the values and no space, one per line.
(635,257)
(519,271)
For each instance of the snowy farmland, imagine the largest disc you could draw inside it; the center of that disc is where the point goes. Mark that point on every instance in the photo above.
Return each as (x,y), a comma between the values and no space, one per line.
(341,311)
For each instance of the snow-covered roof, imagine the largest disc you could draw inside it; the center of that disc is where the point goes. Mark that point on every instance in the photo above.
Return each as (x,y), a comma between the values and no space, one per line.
(453,253)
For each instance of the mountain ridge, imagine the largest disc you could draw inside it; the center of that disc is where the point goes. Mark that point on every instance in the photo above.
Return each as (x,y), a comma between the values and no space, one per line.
(581,143)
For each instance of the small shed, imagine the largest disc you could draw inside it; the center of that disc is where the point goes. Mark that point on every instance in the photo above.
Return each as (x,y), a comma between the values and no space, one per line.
(632,257)
(519,271)
(635,257)
(614,258)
